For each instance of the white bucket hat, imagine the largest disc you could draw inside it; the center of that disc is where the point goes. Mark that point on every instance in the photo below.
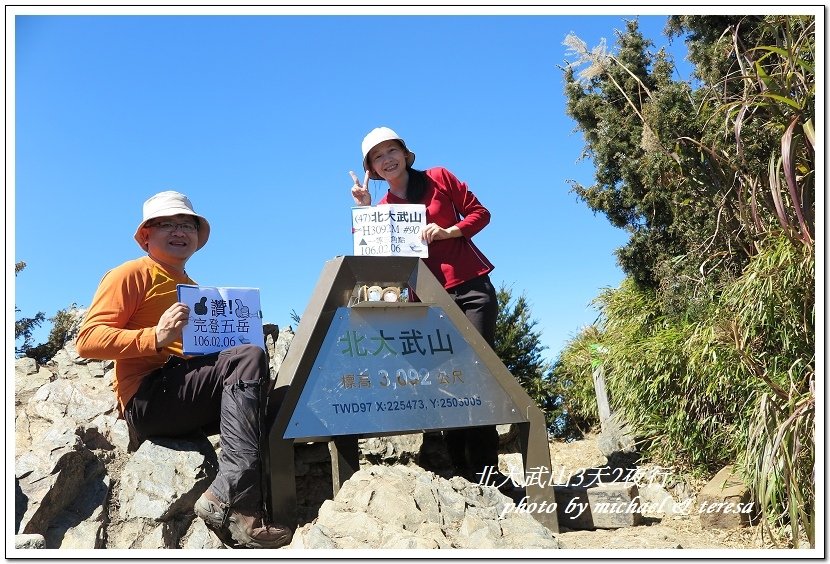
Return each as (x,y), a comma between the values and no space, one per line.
(377,136)
(169,203)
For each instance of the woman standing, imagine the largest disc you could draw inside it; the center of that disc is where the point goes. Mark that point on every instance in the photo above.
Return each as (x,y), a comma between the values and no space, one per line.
(454,215)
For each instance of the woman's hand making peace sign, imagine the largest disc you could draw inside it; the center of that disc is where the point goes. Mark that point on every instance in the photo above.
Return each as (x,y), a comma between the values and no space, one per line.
(360,193)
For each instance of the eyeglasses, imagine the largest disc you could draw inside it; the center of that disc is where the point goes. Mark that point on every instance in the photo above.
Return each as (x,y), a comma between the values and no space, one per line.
(170,227)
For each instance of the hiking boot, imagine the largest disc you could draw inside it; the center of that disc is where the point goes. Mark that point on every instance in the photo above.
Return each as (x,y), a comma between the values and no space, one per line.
(251,531)
(248,530)
(213,513)
(209,508)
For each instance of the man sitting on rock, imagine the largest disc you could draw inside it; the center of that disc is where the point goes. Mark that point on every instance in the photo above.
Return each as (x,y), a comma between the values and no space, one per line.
(136,320)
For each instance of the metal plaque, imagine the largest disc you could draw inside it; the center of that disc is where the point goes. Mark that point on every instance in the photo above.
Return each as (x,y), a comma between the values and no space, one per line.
(397,368)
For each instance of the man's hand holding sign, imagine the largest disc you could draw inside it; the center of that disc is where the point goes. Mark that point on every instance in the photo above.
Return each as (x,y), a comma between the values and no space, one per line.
(170,325)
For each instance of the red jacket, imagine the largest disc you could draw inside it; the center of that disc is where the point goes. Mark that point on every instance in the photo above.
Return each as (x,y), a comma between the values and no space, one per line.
(449,202)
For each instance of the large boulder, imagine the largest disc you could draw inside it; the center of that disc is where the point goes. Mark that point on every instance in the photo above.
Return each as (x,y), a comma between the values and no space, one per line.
(395,507)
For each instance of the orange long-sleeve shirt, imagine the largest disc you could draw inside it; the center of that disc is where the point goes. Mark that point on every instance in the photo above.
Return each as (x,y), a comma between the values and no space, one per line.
(120,323)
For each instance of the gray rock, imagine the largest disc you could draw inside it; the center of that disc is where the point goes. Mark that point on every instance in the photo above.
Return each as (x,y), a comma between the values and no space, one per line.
(616,437)
(163,479)
(615,505)
(393,449)
(128,534)
(409,507)
(28,377)
(200,537)
(68,364)
(52,475)
(83,523)
(276,344)
(25,366)
(29,541)
(725,501)
(64,398)
(656,500)
(105,432)
(475,532)
(319,537)
(27,431)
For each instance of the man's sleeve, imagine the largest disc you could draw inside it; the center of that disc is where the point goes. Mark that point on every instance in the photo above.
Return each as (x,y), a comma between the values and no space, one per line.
(104,334)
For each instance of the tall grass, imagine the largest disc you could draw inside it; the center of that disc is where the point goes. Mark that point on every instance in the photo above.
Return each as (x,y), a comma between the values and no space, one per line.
(674,380)
(774,334)
(733,383)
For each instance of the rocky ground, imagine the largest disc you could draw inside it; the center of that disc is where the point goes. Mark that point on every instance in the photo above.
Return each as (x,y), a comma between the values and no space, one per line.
(658,531)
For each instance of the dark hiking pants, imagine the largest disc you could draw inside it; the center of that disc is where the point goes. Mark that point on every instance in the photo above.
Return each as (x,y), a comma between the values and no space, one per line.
(228,388)
(475,448)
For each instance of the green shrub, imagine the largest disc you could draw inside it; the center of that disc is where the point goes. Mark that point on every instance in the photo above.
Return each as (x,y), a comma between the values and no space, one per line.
(572,381)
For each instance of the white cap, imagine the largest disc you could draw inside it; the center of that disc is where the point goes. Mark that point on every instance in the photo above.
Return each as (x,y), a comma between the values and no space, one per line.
(169,203)
(377,136)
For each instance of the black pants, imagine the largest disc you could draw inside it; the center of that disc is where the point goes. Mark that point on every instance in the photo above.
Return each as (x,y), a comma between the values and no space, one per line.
(228,388)
(474,448)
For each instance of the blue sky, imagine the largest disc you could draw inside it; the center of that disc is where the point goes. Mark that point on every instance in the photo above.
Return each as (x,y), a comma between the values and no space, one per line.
(259,118)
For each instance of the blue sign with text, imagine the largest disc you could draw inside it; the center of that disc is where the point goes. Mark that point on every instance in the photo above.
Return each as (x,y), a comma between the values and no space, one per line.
(410,371)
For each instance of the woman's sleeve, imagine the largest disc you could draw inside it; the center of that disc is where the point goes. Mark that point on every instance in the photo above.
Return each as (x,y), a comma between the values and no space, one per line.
(474,216)
(104,334)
